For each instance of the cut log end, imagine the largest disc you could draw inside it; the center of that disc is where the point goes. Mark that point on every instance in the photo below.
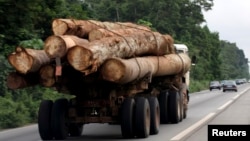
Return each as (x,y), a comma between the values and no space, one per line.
(80,58)
(47,75)
(21,60)
(113,70)
(55,46)
(15,81)
(96,35)
(59,27)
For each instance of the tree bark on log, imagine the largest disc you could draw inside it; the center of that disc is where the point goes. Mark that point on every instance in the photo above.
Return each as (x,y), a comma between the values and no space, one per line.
(17,80)
(170,41)
(88,59)
(26,60)
(57,46)
(81,28)
(127,70)
(98,34)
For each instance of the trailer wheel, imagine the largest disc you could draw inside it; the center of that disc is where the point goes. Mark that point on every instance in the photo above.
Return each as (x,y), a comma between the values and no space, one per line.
(185,99)
(75,129)
(163,101)
(174,107)
(154,115)
(181,97)
(185,112)
(142,117)
(185,108)
(58,119)
(44,117)
(127,118)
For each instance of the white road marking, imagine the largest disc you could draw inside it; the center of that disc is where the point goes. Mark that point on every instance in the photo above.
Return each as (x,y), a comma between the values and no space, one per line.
(192,128)
(225,105)
(235,97)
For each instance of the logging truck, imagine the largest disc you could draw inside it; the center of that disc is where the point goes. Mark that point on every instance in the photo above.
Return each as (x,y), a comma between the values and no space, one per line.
(139,107)
(118,73)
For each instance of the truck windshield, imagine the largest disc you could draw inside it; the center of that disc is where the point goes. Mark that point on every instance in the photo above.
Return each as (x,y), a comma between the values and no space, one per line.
(180,51)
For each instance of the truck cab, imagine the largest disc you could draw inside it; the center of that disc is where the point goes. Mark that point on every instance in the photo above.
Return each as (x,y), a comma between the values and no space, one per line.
(181,48)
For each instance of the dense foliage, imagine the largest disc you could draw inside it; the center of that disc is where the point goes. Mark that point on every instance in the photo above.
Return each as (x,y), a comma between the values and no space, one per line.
(28,23)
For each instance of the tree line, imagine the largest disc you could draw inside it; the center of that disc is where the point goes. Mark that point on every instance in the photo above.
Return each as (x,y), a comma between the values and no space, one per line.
(28,24)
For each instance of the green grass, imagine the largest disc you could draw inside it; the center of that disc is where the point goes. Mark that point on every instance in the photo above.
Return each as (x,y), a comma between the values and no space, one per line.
(196,86)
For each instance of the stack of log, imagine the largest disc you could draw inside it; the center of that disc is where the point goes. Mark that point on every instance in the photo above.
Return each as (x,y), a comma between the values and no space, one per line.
(119,52)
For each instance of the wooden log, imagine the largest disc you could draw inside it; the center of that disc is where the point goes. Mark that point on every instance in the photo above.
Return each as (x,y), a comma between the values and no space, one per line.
(170,41)
(57,46)
(17,80)
(97,34)
(81,28)
(47,75)
(127,70)
(88,59)
(26,60)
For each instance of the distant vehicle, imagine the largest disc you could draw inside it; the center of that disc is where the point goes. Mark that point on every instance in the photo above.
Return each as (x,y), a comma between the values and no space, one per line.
(214,85)
(230,85)
(238,81)
(222,82)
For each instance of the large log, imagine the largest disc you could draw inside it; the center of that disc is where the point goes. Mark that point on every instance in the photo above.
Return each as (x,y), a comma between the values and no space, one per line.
(17,80)
(68,78)
(26,60)
(88,59)
(57,46)
(98,34)
(127,70)
(81,28)
(170,41)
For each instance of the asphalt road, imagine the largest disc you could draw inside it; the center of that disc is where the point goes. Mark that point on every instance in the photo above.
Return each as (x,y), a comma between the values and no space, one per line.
(205,108)
(235,112)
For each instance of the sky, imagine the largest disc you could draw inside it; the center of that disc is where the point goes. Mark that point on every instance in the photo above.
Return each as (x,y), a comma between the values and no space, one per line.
(231,19)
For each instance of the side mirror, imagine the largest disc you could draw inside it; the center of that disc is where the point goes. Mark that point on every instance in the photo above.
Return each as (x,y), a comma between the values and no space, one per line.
(193,60)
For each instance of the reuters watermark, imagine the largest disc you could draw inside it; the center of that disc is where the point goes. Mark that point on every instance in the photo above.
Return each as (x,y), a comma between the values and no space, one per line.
(235,132)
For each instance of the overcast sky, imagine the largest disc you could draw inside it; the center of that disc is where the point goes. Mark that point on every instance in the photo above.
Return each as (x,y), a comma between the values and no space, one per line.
(231,19)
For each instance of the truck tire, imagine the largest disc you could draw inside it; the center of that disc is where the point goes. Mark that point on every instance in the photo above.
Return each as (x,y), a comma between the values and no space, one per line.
(181,97)
(174,107)
(185,108)
(58,119)
(184,113)
(184,95)
(44,118)
(142,117)
(127,118)
(75,129)
(154,115)
(163,101)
